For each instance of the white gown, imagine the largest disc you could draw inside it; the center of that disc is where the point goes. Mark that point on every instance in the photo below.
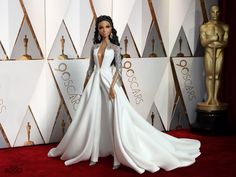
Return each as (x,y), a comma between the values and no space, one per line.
(103,127)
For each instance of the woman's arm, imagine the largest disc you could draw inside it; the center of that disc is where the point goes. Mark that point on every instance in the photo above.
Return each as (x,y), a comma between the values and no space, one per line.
(90,68)
(116,77)
(118,73)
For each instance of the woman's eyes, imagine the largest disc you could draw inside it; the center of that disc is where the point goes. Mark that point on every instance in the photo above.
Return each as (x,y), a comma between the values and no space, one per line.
(101,27)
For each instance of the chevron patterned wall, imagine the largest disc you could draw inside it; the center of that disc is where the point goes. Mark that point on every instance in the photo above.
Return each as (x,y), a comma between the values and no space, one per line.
(163,78)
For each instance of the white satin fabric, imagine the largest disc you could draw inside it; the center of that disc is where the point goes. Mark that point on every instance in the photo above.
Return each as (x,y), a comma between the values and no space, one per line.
(104,127)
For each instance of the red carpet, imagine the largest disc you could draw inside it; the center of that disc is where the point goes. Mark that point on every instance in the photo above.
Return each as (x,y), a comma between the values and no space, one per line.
(218,159)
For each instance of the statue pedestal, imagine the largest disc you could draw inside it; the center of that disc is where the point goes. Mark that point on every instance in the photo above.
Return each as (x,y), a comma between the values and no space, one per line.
(25,57)
(212,120)
(28,143)
(62,57)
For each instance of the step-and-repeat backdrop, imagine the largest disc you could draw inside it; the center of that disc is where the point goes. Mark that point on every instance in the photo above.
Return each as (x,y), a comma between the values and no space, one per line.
(163,76)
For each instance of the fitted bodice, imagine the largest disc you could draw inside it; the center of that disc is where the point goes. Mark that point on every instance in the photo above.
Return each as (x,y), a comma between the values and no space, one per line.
(108,57)
(111,52)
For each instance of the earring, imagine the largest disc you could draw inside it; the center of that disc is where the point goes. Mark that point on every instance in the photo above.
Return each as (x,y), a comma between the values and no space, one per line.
(99,37)
(111,35)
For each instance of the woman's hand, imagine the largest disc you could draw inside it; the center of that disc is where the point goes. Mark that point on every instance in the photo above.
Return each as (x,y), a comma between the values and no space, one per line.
(112,93)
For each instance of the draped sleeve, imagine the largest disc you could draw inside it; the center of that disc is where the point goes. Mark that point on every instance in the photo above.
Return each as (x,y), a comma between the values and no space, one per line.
(118,62)
(91,63)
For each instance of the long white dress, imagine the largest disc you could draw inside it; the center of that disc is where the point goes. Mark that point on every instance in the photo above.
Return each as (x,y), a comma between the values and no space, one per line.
(103,127)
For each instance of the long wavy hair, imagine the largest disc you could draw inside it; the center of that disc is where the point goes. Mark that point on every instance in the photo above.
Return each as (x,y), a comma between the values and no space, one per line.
(113,36)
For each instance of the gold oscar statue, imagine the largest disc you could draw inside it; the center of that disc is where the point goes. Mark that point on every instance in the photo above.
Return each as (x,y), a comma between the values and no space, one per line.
(126,55)
(26,56)
(62,56)
(63,124)
(153,47)
(28,142)
(179,126)
(211,113)
(152,118)
(180,54)
(214,37)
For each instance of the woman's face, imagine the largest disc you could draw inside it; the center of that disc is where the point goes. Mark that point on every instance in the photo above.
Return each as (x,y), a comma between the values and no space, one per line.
(104,29)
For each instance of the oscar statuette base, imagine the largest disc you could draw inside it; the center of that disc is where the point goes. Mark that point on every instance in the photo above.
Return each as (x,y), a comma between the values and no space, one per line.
(62,57)
(25,57)
(211,119)
(28,143)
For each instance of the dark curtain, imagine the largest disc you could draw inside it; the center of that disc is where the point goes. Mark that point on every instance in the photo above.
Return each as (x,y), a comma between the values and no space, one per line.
(228,16)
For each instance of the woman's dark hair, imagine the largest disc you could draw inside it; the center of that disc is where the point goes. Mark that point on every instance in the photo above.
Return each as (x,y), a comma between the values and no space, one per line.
(113,38)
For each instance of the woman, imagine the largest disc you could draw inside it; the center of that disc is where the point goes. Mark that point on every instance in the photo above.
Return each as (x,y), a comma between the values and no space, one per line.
(106,124)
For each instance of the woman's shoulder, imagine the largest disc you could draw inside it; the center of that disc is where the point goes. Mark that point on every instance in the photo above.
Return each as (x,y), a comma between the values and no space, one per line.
(114,47)
(94,46)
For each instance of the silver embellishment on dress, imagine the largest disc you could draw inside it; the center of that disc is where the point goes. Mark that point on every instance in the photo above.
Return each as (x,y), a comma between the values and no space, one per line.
(91,63)
(117,57)
(118,62)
